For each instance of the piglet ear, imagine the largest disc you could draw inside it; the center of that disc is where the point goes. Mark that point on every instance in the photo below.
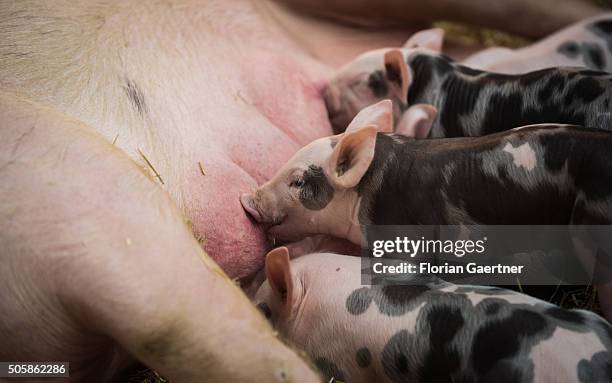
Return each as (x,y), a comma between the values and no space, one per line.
(352,157)
(278,272)
(353,154)
(397,74)
(417,121)
(379,115)
(429,38)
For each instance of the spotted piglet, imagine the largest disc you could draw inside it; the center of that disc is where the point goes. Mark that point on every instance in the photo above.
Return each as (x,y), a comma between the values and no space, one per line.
(431,332)
(587,43)
(535,175)
(470,102)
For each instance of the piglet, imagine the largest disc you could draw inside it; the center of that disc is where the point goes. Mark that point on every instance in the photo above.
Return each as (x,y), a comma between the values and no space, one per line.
(586,43)
(429,332)
(470,102)
(535,175)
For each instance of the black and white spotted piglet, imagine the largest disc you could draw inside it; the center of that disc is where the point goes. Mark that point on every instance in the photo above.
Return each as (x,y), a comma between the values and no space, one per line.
(537,175)
(431,332)
(470,102)
(586,43)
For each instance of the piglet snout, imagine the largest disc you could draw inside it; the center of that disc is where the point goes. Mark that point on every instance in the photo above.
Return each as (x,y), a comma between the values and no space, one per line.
(248,203)
(332,99)
(337,117)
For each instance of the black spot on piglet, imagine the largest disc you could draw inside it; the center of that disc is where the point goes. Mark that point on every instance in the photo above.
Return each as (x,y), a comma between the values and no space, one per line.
(603,29)
(392,300)
(442,360)
(566,315)
(395,357)
(363,357)
(587,89)
(569,49)
(596,370)
(378,84)
(396,299)
(316,191)
(593,55)
(359,301)
(498,340)
(492,308)
(329,369)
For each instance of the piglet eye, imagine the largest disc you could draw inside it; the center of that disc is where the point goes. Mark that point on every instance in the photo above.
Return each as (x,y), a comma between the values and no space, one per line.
(297,183)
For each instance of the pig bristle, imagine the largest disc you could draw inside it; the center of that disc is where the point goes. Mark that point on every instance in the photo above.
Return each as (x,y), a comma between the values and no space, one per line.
(520,287)
(241,97)
(150,165)
(201,168)
(578,298)
(145,376)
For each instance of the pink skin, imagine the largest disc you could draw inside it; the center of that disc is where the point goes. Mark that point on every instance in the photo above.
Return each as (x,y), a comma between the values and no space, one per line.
(277,204)
(307,300)
(238,158)
(543,53)
(227,96)
(100,288)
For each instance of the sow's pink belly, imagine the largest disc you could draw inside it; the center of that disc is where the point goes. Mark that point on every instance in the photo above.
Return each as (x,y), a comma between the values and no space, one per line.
(280,109)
